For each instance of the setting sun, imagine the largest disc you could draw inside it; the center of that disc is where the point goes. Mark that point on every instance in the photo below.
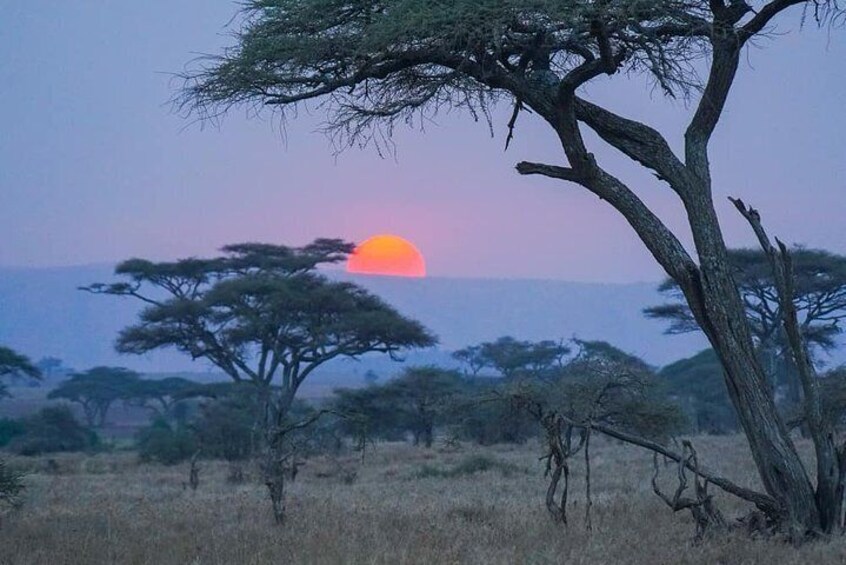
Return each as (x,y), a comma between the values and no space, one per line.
(387,255)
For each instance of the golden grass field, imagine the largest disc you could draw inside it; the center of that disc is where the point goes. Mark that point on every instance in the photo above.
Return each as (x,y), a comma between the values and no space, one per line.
(109,509)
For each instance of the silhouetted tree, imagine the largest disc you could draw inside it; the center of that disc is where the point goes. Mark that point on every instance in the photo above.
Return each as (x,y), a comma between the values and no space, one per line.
(511,358)
(472,359)
(160,395)
(819,294)
(263,315)
(375,64)
(96,390)
(13,364)
(52,367)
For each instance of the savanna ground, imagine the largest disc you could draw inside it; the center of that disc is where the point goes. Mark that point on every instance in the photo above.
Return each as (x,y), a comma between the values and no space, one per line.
(396,505)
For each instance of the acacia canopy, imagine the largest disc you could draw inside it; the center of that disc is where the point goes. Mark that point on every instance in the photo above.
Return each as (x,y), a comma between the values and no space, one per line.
(259,311)
(96,390)
(819,295)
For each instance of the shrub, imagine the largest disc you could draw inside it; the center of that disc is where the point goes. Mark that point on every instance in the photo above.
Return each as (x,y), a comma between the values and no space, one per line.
(51,430)
(489,423)
(9,430)
(164,444)
(225,428)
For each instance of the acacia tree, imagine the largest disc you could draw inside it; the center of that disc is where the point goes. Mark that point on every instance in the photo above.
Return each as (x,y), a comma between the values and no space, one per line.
(819,295)
(264,316)
(13,364)
(161,396)
(511,358)
(96,390)
(420,396)
(374,63)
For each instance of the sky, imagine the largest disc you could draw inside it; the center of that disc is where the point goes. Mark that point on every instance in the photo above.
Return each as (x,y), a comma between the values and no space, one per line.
(95,166)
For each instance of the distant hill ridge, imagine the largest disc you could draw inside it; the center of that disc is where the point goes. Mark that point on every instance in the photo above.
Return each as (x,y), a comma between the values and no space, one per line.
(42,313)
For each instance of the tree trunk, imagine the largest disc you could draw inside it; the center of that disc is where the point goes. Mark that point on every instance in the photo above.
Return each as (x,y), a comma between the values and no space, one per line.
(720,312)
(428,436)
(275,481)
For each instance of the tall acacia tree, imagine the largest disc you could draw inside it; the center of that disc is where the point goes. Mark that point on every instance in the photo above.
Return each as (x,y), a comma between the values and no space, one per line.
(374,63)
(264,316)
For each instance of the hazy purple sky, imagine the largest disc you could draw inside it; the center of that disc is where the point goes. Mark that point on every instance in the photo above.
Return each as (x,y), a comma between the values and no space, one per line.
(95,168)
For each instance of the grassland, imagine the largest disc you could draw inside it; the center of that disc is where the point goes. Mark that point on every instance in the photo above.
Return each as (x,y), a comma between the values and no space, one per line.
(396,505)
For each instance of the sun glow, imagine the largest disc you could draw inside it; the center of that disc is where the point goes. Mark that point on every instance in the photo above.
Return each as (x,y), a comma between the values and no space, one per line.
(387,255)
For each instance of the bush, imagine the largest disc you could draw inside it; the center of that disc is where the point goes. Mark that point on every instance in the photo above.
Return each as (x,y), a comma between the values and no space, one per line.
(161,443)
(225,428)
(9,430)
(489,423)
(51,430)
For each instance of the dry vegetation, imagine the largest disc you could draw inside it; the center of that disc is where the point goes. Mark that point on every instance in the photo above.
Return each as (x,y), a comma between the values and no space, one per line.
(398,505)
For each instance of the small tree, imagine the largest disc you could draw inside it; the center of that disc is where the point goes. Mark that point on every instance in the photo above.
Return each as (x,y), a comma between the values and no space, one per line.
(369,413)
(164,443)
(603,390)
(420,398)
(511,358)
(96,390)
(228,427)
(472,359)
(13,364)
(263,315)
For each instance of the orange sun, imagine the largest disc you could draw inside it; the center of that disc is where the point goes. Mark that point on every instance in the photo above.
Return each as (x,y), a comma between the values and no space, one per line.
(387,255)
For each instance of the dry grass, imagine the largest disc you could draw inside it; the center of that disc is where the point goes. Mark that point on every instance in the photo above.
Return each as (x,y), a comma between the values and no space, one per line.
(472,505)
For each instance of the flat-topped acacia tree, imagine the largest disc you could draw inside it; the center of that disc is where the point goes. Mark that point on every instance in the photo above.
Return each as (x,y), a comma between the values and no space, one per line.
(263,315)
(374,63)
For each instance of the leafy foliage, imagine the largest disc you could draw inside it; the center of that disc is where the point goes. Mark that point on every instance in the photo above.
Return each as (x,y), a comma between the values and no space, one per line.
(53,429)
(511,358)
(602,385)
(698,386)
(416,402)
(819,294)
(228,427)
(10,429)
(13,364)
(163,443)
(96,390)
(260,310)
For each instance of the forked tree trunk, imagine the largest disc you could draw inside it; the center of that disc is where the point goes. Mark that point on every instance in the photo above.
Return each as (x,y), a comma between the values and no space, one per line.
(274,475)
(715,301)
